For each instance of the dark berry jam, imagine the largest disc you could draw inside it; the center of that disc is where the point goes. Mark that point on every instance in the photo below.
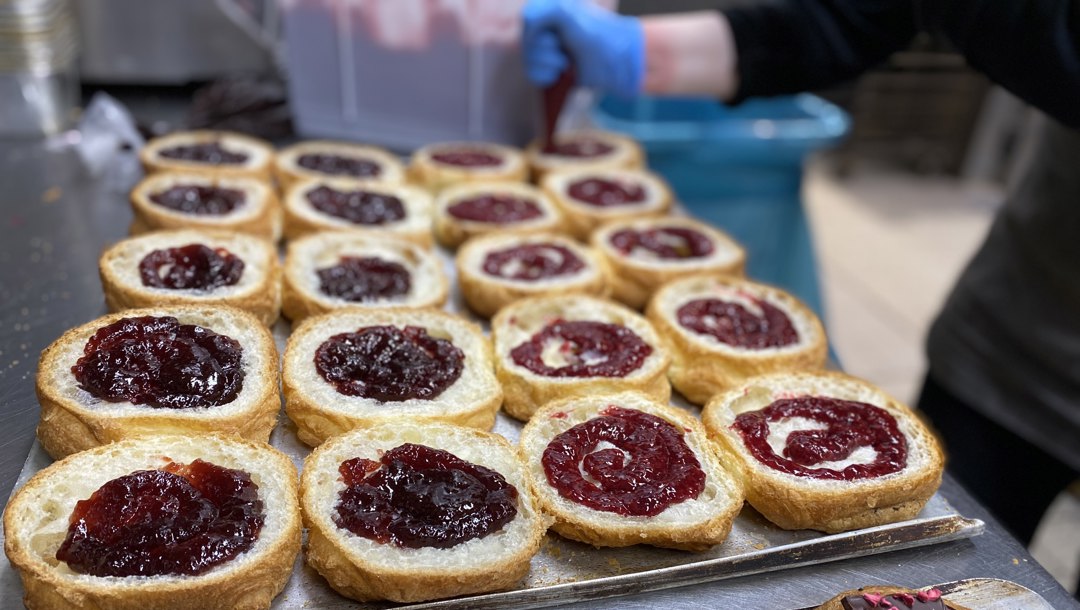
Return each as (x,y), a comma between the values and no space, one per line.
(183,520)
(389,364)
(606,193)
(416,496)
(665,243)
(191,267)
(732,323)
(358,207)
(211,153)
(532,262)
(467,157)
(160,363)
(338,165)
(849,425)
(200,200)
(580,148)
(496,209)
(368,278)
(591,349)
(920,600)
(649,468)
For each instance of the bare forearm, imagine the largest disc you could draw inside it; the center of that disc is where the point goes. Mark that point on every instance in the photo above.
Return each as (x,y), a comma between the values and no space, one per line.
(690,54)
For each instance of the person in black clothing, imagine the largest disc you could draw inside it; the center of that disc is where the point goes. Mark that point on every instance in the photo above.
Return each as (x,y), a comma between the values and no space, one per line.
(1003,386)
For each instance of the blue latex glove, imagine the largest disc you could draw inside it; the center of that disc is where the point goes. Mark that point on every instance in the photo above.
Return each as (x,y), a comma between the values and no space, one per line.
(607,49)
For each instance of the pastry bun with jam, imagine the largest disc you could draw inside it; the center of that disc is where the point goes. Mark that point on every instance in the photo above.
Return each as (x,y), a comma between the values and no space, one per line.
(375,209)
(437,166)
(483,545)
(189,267)
(892,598)
(589,198)
(356,368)
(180,369)
(495,270)
(221,153)
(337,269)
(688,504)
(325,159)
(825,451)
(107,569)
(480,208)
(189,200)
(574,345)
(722,330)
(584,149)
(645,253)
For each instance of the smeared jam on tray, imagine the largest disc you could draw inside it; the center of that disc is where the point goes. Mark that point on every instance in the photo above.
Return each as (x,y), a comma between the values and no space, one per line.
(190,267)
(648,468)
(495,209)
(364,278)
(668,243)
(340,165)
(919,600)
(532,262)
(847,425)
(416,496)
(182,520)
(467,157)
(200,200)
(590,349)
(580,148)
(389,364)
(732,323)
(604,193)
(211,153)
(158,362)
(359,207)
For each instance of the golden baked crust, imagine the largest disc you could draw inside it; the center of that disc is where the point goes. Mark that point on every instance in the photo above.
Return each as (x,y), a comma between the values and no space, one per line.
(835,603)
(302,219)
(435,176)
(259,216)
(627,154)
(582,219)
(452,232)
(260,154)
(288,172)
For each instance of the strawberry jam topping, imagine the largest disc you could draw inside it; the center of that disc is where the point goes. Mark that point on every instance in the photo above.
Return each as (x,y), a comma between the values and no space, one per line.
(368,278)
(358,207)
(191,267)
(416,496)
(199,200)
(160,363)
(211,153)
(495,209)
(836,430)
(920,600)
(389,364)
(603,193)
(467,157)
(666,242)
(182,520)
(647,467)
(588,349)
(532,262)
(732,323)
(339,165)
(579,148)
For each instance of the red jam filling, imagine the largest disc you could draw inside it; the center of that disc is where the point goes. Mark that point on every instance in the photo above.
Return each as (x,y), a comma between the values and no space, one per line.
(495,209)
(665,242)
(200,200)
(389,364)
(358,207)
(160,363)
(368,278)
(211,153)
(606,193)
(183,520)
(921,600)
(847,426)
(416,496)
(191,267)
(467,157)
(733,324)
(591,349)
(532,262)
(581,148)
(338,165)
(649,467)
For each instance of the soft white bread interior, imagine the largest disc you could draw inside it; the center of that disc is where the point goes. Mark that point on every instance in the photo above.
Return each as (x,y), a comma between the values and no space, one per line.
(436,175)
(36,523)
(802,502)
(259,153)
(287,171)
(320,411)
(302,218)
(836,603)
(259,214)
(74,420)
(364,569)
(625,153)
(526,391)
(694,524)
(702,365)
(258,291)
(452,231)
(582,218)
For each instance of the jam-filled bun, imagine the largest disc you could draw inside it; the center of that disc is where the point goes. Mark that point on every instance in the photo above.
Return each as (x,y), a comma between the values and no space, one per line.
(589,198)
(483,545)
(228,568)
(338,269)
(191,267)
(360,367)
(177,369)
(323,159)
(722,330)
(825,451)
(893,598)
(584,149)
(574,345)
(645,253)
(480,208)
(221,153)
(374,209)
(190,200)
(496,270)
(688,503)
(437,166)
